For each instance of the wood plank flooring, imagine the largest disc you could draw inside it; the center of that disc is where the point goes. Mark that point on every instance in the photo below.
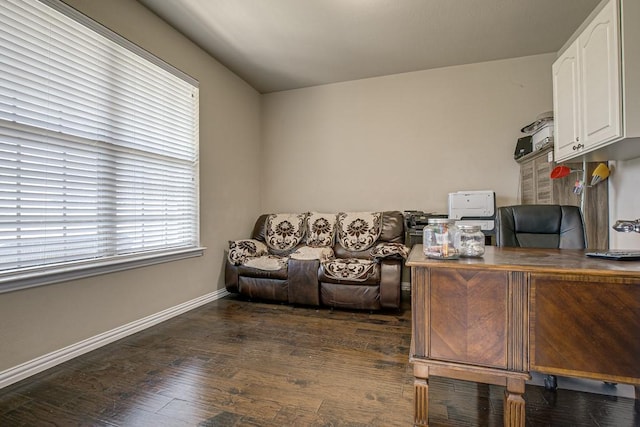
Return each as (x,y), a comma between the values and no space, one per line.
(240,363)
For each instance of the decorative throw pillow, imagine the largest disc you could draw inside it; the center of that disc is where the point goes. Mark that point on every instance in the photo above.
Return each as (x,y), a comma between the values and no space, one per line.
(308,252)
(284,231)
(358,231)
(357,270)
(267,262)
(321,229)
(389,250)
(241,250)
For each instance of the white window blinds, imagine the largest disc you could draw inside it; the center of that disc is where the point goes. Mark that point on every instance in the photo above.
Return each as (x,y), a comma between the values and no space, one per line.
(98,145)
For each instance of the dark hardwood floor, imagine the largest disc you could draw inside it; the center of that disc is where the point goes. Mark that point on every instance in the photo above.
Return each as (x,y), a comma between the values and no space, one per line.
(240,363)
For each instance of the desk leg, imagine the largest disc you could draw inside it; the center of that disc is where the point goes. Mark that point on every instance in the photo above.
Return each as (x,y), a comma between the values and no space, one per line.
(421,397)
(421,409)
(514,406)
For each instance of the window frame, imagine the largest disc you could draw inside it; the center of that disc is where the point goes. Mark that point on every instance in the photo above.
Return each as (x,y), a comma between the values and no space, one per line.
(39,275)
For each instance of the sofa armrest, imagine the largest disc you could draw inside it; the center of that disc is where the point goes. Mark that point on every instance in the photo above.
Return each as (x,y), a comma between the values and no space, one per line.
(303,282)
(390,250)
(390,283)
(230,276)
(243,249)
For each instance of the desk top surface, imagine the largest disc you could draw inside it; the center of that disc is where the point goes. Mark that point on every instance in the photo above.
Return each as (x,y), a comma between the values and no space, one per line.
(533,260)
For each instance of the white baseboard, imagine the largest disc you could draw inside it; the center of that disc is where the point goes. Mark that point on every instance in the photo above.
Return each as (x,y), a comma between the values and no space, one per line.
(39,364)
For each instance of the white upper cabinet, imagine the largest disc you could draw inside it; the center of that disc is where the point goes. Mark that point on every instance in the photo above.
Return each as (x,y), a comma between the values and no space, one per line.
(596,89)
(598,50)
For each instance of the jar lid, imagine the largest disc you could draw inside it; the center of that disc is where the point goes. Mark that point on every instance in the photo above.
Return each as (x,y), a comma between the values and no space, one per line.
(469,227)
(440,221)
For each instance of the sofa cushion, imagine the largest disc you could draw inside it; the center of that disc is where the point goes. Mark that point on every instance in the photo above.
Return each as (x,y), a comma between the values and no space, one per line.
(267,262)
(308,252)
(349,270)
(241,250)
(256,269)
(358,231)
(321,229)
(284,232)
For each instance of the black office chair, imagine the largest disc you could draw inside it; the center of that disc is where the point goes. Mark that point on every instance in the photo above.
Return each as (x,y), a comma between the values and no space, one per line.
(541,226)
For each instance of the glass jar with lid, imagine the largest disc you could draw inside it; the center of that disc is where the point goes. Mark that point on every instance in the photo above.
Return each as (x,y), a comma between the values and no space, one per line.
(438,239)
(469,240)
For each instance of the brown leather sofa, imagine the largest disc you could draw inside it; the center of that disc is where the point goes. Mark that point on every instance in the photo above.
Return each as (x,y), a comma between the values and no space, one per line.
(347,260)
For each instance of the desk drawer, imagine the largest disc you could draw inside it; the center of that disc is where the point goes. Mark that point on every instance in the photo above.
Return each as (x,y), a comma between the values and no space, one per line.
(585,326)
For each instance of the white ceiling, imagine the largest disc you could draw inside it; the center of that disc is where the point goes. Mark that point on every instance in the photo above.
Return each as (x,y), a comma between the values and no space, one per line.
(285,44)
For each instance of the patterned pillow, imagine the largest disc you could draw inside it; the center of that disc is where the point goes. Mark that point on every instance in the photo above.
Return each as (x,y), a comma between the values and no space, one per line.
(242,250)
(390,250)
(321,229)
(358,231)
(284,232)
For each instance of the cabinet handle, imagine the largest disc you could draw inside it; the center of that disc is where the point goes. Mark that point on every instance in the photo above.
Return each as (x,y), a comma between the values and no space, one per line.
(577,147)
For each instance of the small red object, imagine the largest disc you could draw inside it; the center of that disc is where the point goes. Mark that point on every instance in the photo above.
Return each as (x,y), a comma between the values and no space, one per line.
(560,172)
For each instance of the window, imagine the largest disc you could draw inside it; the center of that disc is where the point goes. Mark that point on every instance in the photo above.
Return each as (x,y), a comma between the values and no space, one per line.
(98,149)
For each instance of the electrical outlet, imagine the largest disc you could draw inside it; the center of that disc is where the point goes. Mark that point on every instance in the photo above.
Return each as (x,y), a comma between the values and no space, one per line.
(550,156)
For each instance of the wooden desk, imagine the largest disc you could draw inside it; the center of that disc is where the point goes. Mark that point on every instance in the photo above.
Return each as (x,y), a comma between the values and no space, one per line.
(495,319)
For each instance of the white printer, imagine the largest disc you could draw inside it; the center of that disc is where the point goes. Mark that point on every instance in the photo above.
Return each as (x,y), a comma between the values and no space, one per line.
(474,207)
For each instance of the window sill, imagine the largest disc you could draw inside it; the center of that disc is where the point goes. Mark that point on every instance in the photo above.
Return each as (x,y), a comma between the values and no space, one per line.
(46,276)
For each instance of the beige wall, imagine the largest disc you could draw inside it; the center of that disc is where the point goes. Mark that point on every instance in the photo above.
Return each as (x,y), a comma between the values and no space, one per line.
(394,142)
(624,201)
(41,320)
(402,141)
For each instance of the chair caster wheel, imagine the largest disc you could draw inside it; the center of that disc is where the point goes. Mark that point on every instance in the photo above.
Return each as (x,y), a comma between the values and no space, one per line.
(551,382)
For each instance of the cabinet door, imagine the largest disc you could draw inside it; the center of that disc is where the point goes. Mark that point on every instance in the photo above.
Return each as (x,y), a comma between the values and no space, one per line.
(600,78)
(566,103)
